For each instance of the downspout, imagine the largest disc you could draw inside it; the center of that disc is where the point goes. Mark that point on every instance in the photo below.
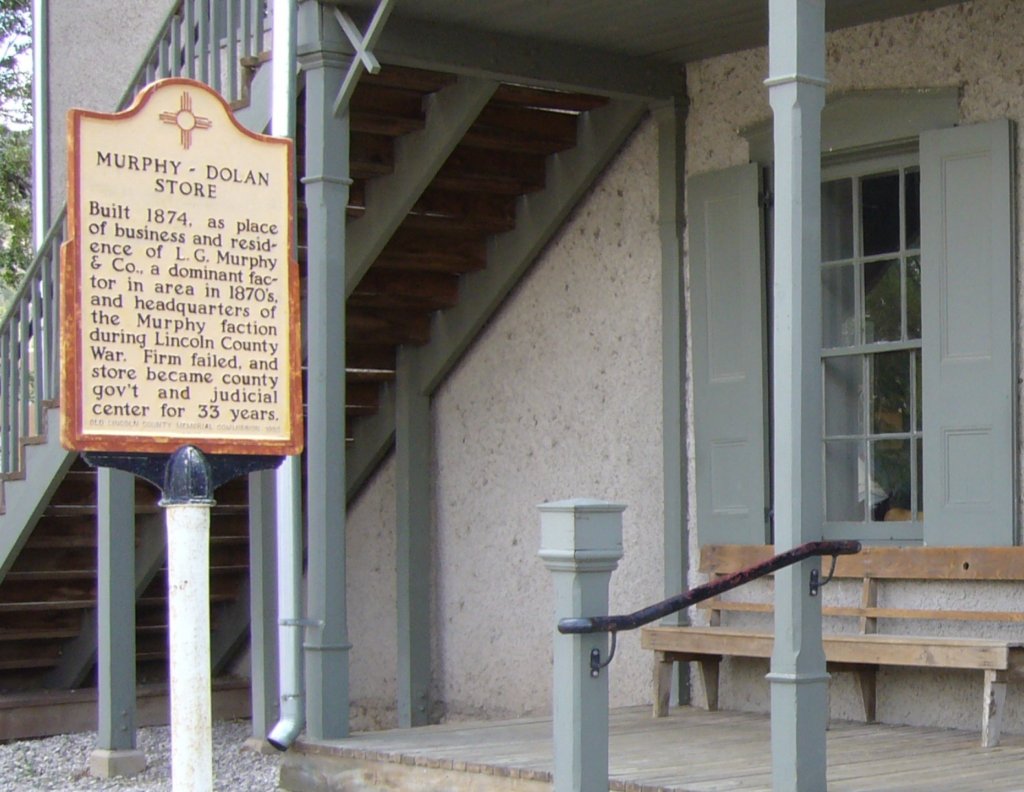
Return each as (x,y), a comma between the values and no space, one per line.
(289,603)
(40,122)
(289,474)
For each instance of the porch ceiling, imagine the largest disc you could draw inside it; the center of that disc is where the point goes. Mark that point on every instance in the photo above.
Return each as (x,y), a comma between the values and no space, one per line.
(673,31)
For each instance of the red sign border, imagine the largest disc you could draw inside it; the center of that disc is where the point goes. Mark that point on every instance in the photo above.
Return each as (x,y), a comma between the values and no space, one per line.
(73,435)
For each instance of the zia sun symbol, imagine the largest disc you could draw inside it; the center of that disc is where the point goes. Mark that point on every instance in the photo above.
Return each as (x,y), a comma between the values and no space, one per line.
(185,120)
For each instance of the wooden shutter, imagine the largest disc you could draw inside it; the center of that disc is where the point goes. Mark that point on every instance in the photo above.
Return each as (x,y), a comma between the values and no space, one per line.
(967,327)
(727,286)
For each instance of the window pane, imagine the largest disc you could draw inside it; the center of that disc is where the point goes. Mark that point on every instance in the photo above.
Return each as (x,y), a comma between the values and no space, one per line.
(880,214)
(890,392)
(837,220)
(918,392)
(913,297)
(890,480)
(920,481)
(882,301)
(912,191)
(838,302)
(844,395)
(844,481)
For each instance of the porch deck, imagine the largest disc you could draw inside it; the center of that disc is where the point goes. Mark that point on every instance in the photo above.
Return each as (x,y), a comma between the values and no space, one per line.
(690,750)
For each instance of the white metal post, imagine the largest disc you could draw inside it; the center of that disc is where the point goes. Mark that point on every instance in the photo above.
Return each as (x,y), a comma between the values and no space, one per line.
(799,682)
(188,491)
(188,591)
(581,543)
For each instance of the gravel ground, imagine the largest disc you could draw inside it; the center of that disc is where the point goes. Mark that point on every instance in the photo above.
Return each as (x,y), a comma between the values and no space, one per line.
(59,763)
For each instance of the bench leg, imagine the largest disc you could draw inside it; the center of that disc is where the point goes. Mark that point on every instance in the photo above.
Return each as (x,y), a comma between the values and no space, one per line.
(992,716)
(662,683)
(867,681)
(708,670)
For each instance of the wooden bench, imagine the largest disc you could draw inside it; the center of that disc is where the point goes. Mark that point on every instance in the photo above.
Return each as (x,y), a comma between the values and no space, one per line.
(861,653)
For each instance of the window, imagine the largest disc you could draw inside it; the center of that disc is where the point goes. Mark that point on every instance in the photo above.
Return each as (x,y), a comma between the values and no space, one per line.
(918,441)
(871,349)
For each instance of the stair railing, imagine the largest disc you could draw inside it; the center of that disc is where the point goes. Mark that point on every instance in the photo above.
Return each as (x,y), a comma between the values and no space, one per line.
(581,544)
(217,42)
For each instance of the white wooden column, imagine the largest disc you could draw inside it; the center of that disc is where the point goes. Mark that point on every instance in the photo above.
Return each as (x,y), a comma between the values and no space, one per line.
(799,682)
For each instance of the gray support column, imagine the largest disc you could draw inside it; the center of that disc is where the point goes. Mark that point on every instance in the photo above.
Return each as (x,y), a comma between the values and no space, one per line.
(115,752)
(263,603)
(413,541)
(798,678)
(671,120)
(581,543)
(326,191)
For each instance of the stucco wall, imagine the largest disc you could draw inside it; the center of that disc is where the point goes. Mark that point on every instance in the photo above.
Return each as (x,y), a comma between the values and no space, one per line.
(95,48)
(370,587)
(559,397)
(974,47)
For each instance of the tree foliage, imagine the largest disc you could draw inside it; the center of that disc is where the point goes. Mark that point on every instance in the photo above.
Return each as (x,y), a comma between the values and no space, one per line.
(15,143)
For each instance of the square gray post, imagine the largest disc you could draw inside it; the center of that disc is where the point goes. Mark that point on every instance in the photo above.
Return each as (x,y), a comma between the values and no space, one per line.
(581,543)
(671,119)
(115,753)
(799,682)
(412,542)
(263,604)
(321,48)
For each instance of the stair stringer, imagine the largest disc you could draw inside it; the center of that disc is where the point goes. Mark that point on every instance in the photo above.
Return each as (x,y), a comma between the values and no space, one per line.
(26,494)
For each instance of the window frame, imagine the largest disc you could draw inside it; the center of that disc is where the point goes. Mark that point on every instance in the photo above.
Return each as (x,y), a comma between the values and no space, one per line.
(856,166)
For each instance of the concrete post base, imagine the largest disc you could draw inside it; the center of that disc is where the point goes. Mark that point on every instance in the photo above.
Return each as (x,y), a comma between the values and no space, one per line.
(109,764)
(261,746)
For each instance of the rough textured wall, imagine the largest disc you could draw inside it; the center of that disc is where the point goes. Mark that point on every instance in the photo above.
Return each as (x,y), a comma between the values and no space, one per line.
(560,397)
(976,48)
(95,48)
(370,588)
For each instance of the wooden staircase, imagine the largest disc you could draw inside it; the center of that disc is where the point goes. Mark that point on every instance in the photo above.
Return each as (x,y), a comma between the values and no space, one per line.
(472,197)
(49,596)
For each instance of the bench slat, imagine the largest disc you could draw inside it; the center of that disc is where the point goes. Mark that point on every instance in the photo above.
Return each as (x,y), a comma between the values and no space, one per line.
(893,563)
(895,650)
(876,613)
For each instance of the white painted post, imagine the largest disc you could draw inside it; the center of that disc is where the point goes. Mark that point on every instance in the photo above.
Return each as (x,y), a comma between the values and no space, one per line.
(188,585)
(799,682)
(581,543)
(188,496)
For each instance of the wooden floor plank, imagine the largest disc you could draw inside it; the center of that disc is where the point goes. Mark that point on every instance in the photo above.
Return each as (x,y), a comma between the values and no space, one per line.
(696,751)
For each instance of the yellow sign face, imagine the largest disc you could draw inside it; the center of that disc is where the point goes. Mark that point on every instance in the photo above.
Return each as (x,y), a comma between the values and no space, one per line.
(180,308)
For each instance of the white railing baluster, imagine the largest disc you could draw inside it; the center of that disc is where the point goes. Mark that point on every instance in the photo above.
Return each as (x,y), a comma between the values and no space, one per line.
(176,26)
(231,31)
(24,364)
(203,12)
(14,388)
(37,359)
(6,430)
(246,28)
(163,68)
(188,33)
(55,329)
(259,8)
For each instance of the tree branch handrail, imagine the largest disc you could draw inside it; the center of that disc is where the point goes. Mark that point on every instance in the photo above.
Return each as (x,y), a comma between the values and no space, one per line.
(631,621)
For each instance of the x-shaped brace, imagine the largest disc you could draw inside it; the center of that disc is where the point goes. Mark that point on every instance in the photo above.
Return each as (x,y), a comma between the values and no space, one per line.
(362,44)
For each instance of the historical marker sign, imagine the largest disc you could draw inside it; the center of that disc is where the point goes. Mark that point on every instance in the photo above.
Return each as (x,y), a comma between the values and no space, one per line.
(180,306)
